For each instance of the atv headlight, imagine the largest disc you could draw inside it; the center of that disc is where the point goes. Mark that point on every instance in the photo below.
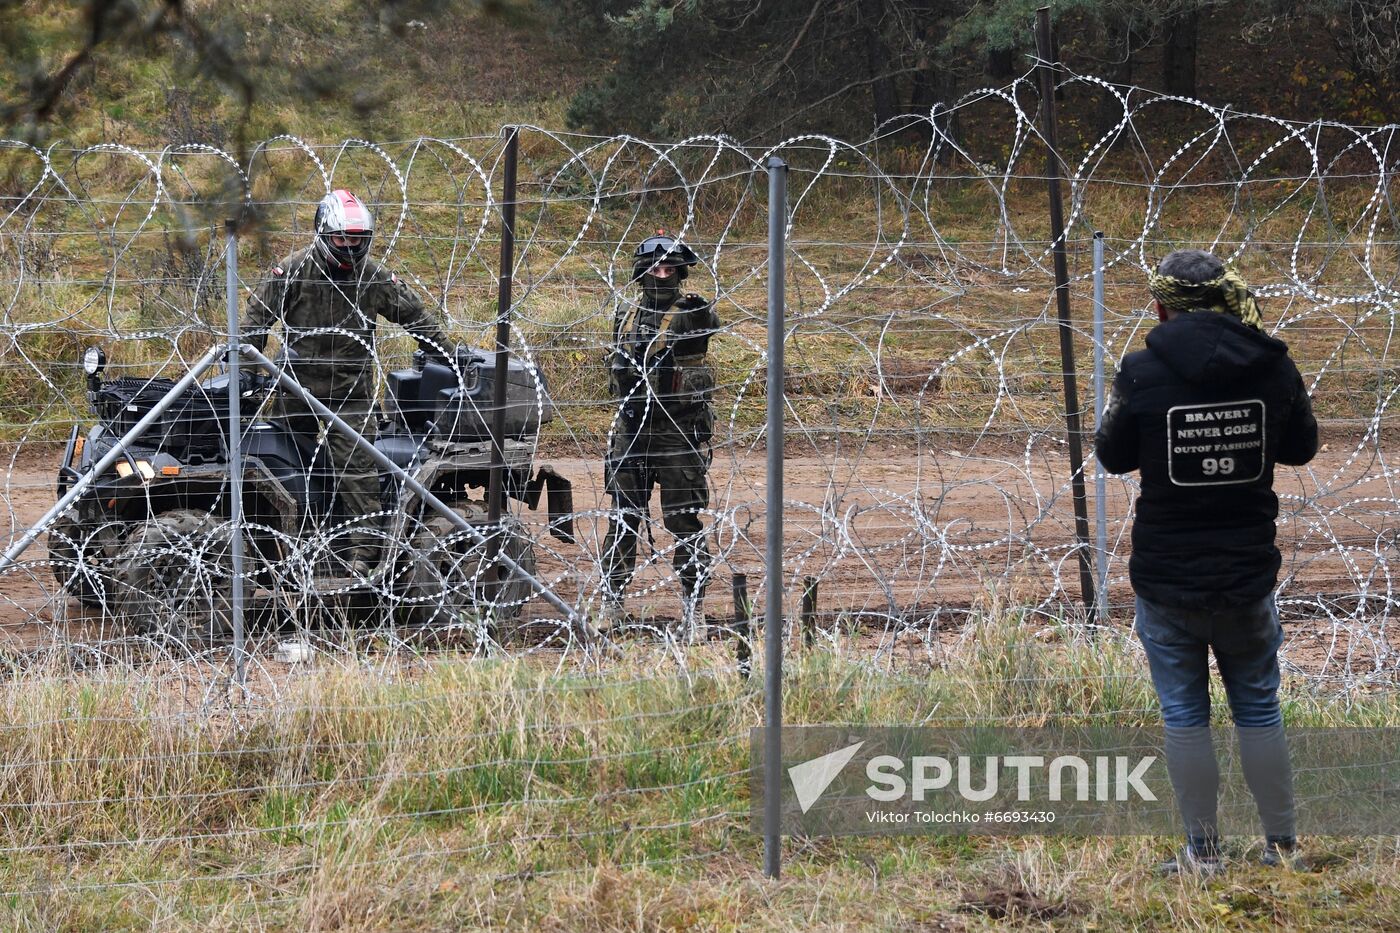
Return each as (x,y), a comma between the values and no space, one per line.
(124,469)
(94,361)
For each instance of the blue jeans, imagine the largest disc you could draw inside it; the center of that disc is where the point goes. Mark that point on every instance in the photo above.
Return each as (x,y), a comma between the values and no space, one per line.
(1246,642)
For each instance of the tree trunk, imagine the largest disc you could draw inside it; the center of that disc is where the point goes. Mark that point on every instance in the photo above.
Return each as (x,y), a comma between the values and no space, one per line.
(1121,43)
(1179,55)
(1001,64)
(936,85)
(883,94)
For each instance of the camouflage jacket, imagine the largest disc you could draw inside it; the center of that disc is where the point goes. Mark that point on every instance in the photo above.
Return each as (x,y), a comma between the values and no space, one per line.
(669,347)
(329,322)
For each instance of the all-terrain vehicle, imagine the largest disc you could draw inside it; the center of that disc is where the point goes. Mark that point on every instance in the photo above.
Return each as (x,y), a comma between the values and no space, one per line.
(151,540)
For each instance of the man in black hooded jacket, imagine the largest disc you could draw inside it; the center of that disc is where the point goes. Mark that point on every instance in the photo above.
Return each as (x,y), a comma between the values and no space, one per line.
(1204,414)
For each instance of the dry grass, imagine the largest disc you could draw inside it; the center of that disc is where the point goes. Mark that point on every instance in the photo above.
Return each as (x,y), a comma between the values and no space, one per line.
(505,795)
(476,794)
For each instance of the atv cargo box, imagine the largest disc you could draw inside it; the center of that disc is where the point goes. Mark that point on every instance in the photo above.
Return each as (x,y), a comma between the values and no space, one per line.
(461,411)
(192,429)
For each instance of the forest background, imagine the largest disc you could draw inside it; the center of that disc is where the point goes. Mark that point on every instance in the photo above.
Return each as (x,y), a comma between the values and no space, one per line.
(223,73)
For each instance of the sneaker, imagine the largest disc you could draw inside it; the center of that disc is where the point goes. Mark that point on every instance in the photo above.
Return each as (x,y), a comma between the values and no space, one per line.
(1187,862)
(1279,853)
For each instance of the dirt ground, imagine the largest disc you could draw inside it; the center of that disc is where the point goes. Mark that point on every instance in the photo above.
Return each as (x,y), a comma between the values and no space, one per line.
(896,536)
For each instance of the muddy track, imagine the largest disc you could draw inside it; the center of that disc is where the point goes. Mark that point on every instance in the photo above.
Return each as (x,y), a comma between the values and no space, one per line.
(894,537)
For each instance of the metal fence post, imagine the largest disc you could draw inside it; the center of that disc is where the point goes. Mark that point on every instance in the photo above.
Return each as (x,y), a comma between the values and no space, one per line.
(1057,232)
(773,613)
(1100,478)
(495,492)
(235,452)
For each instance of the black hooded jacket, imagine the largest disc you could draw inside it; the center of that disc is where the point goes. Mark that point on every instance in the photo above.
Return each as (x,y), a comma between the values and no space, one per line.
(1204,413)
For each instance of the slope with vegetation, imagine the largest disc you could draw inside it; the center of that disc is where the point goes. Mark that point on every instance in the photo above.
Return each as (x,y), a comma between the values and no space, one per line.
(171,70)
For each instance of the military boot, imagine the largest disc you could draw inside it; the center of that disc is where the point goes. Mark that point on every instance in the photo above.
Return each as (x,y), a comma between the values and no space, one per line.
(346,560)
(693,625)
(367,546)
(613,619)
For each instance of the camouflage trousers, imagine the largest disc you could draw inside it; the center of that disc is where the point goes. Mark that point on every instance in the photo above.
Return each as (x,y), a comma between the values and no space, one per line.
(340,466)
(685,492)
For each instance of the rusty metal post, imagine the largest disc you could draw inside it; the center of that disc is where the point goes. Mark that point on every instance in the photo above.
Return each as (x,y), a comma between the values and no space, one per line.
(809,611)
(1046,71)
(495,491)
(743,630)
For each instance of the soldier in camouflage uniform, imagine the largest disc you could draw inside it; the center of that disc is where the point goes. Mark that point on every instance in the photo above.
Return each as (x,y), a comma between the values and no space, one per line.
(327,297)
(663,382)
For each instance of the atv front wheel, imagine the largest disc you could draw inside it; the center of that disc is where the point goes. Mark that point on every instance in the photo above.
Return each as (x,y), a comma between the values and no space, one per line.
(175,576)
(77,554)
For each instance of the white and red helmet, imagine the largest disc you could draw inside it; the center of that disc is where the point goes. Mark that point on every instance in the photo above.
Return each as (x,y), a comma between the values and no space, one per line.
(341,214)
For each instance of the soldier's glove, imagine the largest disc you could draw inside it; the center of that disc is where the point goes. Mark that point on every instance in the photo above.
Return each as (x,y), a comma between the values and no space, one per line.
(459,361)
(254,381)
(691,302)
(467,361)
(434,356)
(693,332)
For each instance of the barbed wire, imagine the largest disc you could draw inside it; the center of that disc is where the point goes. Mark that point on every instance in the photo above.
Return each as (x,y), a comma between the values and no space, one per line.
(927,478)
(583,265)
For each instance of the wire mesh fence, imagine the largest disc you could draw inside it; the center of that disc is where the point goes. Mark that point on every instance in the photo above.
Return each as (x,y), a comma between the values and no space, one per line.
(927,482)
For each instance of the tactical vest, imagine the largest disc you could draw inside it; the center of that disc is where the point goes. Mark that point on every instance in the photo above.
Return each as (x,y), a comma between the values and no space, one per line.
(660,368)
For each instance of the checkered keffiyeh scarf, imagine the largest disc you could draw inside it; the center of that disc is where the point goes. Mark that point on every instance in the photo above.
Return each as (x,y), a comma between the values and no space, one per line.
(1227,294)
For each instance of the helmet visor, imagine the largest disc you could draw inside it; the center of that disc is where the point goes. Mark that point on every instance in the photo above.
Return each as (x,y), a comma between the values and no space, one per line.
(665,248)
